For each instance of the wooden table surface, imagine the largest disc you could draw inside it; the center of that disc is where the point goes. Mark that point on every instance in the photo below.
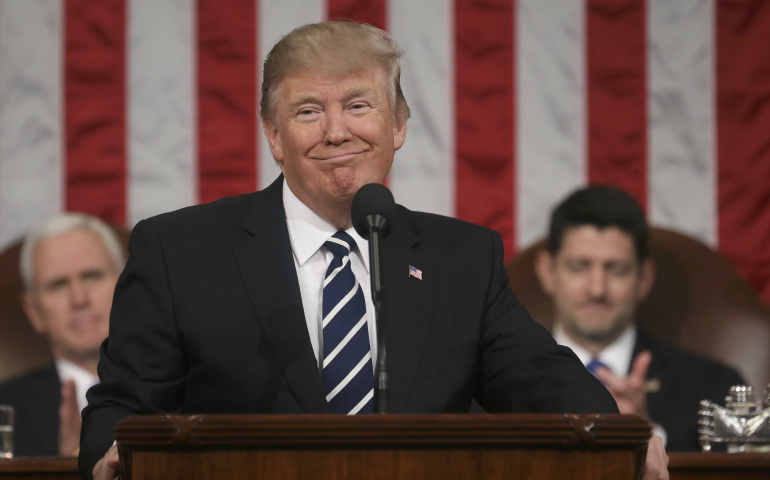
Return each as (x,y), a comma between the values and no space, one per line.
(39,468)
(717,465)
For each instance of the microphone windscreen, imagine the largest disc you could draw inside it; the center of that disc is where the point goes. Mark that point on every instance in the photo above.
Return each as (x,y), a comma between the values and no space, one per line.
(371,199)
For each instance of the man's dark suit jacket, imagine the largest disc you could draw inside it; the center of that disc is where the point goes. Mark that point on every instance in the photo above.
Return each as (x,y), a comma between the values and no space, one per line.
(208,318)
(35,398)
(685,380)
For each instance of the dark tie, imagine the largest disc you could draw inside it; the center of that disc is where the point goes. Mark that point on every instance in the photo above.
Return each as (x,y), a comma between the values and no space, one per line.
(347,359)
(594,364)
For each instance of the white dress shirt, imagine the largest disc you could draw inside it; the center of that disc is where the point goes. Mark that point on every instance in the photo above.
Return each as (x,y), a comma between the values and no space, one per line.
(617,356)
(308,232)
(82,377)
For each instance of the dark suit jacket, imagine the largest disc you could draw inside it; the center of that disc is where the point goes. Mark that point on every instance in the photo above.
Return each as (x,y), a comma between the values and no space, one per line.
(35,398)
(207,318)
(685,380)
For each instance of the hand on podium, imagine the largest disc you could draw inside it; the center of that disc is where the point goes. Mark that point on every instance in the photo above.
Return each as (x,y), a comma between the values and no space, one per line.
(107,467)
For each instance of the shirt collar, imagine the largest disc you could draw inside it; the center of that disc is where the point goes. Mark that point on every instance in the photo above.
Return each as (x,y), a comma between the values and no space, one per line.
(82,377)
(308,232)
(617,355)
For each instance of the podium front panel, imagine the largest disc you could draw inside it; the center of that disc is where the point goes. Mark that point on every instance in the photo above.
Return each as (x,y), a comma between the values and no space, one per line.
(403,447)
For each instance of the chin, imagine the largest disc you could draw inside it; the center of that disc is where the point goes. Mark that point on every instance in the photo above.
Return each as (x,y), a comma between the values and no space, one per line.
(598,336)
(600,333)
(345,191)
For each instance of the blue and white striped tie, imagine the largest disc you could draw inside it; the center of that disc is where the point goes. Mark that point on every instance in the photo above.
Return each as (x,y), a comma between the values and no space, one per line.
(347,359)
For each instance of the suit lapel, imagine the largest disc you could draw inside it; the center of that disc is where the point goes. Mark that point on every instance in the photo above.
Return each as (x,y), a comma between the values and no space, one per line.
(268,272)
(407,306)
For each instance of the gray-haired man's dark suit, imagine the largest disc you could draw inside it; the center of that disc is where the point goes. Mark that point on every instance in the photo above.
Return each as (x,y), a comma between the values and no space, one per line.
(35,397)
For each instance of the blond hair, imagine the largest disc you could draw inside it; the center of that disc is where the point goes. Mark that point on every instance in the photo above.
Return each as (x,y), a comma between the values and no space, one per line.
(334,48)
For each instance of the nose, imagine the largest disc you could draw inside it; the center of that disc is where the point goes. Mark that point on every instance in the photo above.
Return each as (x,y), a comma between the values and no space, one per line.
(337,131)
(597,283)
(79,296)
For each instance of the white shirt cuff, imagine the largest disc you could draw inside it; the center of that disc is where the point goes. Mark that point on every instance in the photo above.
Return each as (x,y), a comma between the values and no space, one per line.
(658,430)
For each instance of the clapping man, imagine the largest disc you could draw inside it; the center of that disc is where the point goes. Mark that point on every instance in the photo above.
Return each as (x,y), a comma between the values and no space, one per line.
(69,266)
(597,269)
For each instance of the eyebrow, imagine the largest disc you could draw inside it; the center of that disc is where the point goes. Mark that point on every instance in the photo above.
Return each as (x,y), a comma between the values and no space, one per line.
(358,92)
(351,93)
(55,282)
(84,273)
(303,99)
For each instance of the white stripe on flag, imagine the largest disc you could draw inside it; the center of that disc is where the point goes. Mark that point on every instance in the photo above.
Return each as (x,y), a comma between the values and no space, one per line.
(31,136)
(162,172)
(551,116)
(277,18)
(682,165)
(422,177)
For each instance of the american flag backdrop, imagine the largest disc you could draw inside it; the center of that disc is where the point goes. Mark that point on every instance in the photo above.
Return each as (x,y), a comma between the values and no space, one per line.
(130,108)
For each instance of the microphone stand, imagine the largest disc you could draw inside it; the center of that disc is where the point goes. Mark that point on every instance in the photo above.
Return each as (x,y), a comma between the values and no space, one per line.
(377,224)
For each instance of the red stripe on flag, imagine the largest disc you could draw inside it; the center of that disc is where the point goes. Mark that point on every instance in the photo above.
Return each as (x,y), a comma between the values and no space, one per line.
(373,12)
(617,95)
(94,108)
(484,103)
(227,98)
(743,137)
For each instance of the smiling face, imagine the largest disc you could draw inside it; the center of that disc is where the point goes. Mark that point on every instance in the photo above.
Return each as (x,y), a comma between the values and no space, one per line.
(596,283)
(74,279)
(332,135)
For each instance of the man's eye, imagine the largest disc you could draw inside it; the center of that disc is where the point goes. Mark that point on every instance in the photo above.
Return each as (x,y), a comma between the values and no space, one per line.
(56,285)
(577,267)
(94,275)
(619,270)
(307,111)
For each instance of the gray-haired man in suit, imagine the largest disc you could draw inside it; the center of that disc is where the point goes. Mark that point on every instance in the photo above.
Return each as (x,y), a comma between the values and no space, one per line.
(69,266)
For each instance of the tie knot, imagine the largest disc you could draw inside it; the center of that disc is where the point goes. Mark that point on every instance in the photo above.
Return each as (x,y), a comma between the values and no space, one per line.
(594,365)
(340,244)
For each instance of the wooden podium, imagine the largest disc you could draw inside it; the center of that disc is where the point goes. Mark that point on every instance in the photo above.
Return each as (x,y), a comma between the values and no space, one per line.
(404,447)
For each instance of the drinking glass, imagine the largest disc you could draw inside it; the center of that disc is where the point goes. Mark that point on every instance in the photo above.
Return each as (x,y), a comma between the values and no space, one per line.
(6,431)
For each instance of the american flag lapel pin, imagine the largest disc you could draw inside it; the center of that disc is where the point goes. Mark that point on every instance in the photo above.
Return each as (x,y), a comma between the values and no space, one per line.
(414,272)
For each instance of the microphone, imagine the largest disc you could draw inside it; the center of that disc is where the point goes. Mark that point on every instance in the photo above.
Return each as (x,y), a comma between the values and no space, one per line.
(372,206)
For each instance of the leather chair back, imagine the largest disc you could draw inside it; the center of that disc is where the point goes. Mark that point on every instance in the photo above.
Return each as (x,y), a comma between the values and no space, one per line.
(698,302)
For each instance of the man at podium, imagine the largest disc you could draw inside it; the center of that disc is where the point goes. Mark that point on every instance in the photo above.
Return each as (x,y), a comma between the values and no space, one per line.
(261,303)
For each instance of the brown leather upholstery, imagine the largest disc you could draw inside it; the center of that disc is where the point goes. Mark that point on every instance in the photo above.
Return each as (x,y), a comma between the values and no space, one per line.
(699,302)
(21,348)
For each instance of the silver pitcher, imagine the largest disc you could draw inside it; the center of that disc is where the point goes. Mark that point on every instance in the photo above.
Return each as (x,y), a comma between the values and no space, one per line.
(743,424)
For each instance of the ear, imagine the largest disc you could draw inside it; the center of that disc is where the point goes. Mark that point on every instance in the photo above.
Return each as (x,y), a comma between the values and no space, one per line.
(30,309)
(544,266)
(646,279)
(273,141)
(399,135)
